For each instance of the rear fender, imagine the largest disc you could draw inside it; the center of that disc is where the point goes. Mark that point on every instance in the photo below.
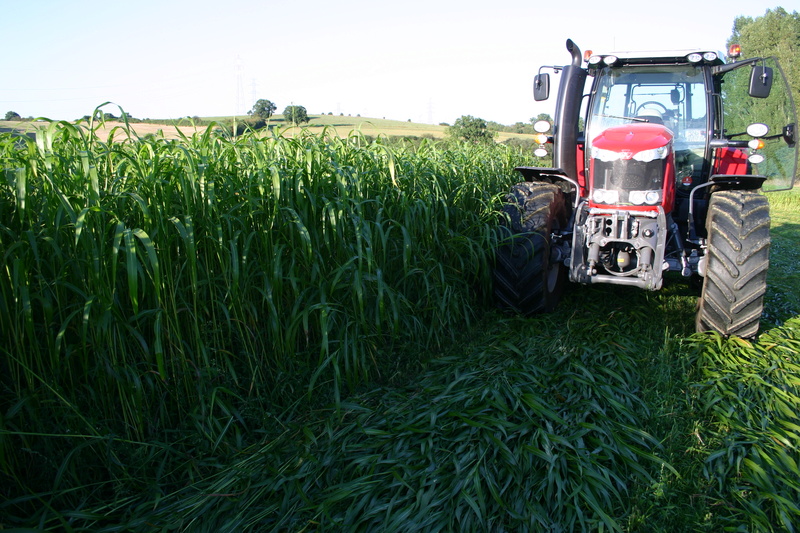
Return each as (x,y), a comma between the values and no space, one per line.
(731,161)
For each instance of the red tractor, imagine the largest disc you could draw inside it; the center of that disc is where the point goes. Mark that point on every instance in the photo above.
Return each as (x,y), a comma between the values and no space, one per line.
(659,164)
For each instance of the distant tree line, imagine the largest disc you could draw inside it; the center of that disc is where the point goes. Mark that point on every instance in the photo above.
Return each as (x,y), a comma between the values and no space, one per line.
(264,109)
(479,131)
(521,127)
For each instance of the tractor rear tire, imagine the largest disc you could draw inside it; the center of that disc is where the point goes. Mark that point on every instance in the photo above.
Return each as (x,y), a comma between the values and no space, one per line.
(525,281)
(732,298)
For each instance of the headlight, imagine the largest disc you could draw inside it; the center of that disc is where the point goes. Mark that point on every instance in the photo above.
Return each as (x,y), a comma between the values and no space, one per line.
(605,196)
(606,156)
(644,197)
(757,130)
(652,197)
(636,197)
(645,156)
(541,126)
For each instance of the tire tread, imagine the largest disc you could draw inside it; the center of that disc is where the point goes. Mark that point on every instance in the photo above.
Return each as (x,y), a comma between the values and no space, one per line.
(731,301)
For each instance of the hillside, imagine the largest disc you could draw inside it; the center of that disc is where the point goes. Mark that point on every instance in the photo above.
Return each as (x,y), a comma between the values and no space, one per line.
(342,125)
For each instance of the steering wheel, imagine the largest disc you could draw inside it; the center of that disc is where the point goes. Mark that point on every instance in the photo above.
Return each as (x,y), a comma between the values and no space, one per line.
(652,102)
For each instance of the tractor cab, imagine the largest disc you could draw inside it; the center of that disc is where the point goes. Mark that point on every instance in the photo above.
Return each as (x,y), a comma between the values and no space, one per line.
(704,105)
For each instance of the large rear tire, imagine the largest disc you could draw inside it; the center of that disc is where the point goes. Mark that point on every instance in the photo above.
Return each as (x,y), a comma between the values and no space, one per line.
(732,298)
(525,280)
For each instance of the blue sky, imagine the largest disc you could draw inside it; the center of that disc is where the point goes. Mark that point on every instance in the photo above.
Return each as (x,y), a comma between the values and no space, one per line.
(427,61)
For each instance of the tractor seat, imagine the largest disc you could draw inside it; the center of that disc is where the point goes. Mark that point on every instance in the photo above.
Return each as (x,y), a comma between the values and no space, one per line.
(653,116)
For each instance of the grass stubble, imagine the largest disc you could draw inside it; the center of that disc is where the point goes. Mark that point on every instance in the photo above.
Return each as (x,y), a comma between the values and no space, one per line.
(285,334)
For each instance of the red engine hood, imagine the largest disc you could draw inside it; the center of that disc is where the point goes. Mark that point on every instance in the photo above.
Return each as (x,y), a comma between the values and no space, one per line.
(633,138)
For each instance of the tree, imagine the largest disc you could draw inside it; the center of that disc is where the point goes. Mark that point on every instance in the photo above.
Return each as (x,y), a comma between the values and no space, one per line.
(296,114)
(471,129)
(542,116)
(13,115)
(263,109)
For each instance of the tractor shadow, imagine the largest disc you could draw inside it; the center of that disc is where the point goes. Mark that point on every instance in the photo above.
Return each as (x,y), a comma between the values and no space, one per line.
(636,312)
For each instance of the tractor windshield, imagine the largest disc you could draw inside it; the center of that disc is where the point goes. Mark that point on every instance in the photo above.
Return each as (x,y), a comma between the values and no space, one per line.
(674,96)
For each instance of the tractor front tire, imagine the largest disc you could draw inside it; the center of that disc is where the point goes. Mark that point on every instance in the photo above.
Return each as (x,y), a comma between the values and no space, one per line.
(732,298)
(525,281)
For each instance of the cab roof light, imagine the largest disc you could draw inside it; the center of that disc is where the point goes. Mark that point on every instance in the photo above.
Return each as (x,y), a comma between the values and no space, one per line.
(734,51)
(697,57)
(608,61)
(595,60)
(587,55)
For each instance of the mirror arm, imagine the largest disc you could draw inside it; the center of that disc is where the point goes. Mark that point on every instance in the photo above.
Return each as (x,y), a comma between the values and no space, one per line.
(722,69)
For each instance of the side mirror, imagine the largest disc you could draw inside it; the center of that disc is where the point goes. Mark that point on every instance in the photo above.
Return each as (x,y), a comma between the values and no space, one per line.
(760,81)
(541,87)
(790,135)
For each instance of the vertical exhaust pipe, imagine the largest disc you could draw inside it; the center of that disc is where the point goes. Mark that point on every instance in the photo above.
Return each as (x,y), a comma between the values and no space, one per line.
(573,49)
(568,109)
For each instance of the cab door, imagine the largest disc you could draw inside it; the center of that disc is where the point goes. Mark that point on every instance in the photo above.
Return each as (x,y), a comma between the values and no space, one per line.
(756,91)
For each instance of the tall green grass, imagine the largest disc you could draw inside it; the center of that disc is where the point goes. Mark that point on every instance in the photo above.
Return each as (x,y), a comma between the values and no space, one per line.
(159,298)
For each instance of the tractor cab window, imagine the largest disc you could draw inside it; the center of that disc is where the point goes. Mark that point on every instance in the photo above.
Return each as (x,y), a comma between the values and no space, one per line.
(674,96)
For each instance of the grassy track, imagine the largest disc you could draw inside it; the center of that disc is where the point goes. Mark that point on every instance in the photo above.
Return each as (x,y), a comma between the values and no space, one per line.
(288,334)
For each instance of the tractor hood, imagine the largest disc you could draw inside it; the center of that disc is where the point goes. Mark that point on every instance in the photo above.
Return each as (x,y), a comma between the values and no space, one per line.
(641,141)
(632,166)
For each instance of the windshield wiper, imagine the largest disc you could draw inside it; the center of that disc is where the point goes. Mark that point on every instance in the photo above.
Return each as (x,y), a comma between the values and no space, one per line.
(635,119)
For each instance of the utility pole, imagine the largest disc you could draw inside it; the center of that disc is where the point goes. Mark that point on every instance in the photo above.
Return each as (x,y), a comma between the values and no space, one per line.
(239,92)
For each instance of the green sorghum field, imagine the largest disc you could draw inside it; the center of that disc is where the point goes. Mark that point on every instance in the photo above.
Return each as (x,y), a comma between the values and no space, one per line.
(271,333)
